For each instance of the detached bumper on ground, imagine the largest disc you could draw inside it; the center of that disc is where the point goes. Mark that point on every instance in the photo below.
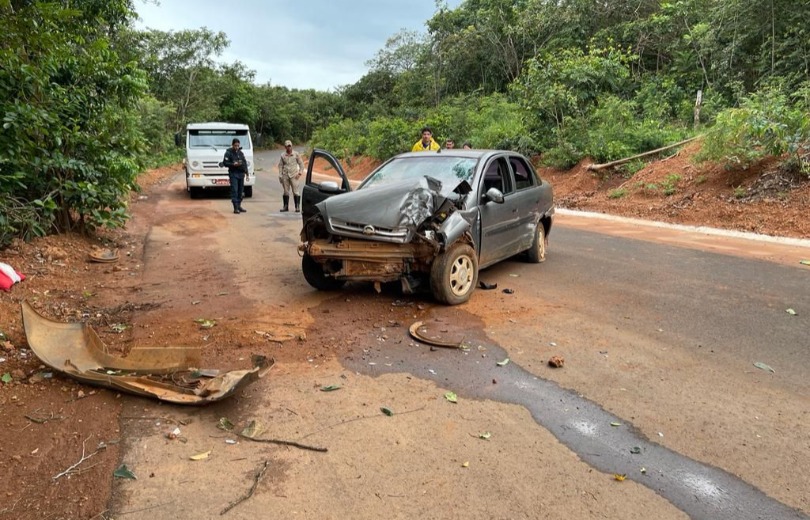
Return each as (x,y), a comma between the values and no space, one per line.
(167,374)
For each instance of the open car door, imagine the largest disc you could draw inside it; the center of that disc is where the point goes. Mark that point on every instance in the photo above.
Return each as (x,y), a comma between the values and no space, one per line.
(325,178)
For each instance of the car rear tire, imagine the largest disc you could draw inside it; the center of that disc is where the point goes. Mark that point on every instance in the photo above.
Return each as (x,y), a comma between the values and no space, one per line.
(537,253)
(248,192)
(313,273)
(454,274)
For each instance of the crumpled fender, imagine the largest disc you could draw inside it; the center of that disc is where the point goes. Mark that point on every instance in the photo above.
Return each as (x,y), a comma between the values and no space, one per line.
(454,226)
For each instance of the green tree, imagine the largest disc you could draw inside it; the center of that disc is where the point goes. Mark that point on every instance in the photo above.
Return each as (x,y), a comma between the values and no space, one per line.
(182,70)
(70,143)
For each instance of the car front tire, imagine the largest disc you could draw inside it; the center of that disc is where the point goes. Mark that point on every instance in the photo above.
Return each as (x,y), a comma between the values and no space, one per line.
(537,253)
(454,274)
(314,275)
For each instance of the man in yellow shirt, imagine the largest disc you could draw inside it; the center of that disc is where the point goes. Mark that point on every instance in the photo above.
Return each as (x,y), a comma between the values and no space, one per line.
(426,144)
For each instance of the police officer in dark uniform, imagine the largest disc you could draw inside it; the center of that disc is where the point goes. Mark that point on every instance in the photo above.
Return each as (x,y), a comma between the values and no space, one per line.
(237,169)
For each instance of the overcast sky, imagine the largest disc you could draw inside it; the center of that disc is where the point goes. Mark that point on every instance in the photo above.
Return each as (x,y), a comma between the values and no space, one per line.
(302,44)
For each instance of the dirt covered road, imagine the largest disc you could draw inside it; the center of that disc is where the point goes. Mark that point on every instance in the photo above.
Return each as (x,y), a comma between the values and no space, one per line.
(183,261)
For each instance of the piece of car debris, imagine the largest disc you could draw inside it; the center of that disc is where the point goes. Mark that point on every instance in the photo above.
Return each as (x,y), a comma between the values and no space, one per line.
(487,286)
(556,361)
(164,373)
(103,255)
(417,333)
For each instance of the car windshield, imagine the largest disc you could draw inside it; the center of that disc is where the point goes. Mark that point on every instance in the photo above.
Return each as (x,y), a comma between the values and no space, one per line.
(449,170)
(217,138)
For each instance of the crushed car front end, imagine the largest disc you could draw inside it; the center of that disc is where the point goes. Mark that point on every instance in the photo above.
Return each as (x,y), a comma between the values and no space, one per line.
(384,234)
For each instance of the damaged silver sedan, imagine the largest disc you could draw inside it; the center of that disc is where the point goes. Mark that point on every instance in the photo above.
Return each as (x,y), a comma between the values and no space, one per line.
(423,218)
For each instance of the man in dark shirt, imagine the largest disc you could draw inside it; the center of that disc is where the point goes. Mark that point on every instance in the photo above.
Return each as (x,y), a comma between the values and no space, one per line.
(237,169)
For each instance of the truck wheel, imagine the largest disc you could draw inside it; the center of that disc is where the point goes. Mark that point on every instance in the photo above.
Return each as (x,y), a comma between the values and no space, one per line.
(248,192)
(195,193)
(454,274)
(537,253)
(313,273)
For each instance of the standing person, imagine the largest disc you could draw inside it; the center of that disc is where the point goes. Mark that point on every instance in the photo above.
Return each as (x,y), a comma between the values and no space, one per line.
(426,144)
(449,144)
(290,169)
(237,169)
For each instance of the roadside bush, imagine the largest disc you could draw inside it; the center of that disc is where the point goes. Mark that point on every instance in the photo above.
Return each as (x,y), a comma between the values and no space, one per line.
(388,137)
(155,120)
(344,138)
(71,95)
(768,123)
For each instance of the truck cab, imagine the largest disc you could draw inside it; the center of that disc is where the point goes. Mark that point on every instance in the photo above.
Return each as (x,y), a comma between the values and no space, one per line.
(205,148)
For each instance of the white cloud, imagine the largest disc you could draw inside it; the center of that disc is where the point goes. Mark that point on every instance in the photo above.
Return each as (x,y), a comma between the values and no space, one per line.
(318,44)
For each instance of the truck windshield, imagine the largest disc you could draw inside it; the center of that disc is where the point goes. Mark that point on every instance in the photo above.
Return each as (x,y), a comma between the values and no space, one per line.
(217,138)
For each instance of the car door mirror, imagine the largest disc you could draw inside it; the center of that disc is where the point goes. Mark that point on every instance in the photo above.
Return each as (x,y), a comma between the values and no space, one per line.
(329,187)
(495,195)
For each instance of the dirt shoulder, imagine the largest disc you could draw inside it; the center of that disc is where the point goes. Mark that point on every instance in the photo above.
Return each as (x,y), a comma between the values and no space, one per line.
(762,199)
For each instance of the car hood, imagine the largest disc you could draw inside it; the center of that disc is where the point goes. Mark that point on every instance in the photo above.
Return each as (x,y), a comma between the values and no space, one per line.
(390,212)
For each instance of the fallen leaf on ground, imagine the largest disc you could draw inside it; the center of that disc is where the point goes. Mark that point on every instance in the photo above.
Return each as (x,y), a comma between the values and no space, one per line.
(619,476)
(201,456)
(615,424)
(387,411)
(225,424)
(485,435)
(205,323)
(804,262)
(466,464)
(252,430)
(556,361)
(451,396)
(124,472)
(6,378)
(503,363)
(763,366)
(330,388)
(790,311)
(635,450)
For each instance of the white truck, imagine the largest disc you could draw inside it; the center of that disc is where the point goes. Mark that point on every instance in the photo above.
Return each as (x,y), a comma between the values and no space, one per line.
(205,148)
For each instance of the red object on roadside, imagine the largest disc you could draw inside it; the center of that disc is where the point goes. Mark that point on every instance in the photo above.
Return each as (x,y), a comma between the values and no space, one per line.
(8,277)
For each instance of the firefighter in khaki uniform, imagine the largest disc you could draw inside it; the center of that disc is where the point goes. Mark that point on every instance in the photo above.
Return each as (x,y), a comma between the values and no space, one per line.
(290,169)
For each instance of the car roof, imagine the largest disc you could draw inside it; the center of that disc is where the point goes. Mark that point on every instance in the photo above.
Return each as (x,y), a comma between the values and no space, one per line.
(459,152)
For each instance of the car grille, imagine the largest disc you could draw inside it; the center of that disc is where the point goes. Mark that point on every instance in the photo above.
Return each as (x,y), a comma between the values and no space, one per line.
(354,229)
(210,165)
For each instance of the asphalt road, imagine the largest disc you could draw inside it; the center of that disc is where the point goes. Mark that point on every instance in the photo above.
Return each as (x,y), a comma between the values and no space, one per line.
(660,330)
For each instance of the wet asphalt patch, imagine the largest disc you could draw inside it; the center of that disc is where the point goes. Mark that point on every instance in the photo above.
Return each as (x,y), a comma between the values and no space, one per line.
(604,441)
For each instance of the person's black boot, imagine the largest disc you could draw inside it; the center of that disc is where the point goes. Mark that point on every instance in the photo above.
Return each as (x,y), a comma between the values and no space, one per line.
(297,199)
(286,199)
(236,208)
(241,209)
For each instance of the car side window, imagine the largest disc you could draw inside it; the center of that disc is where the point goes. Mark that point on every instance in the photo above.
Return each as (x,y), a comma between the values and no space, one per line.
(523,176)
(497,176)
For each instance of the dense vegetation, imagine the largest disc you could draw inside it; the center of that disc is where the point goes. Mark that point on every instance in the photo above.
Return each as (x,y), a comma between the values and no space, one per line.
(87,101)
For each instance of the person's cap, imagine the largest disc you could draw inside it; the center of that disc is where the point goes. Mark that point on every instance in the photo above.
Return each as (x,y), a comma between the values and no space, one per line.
(287,143)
